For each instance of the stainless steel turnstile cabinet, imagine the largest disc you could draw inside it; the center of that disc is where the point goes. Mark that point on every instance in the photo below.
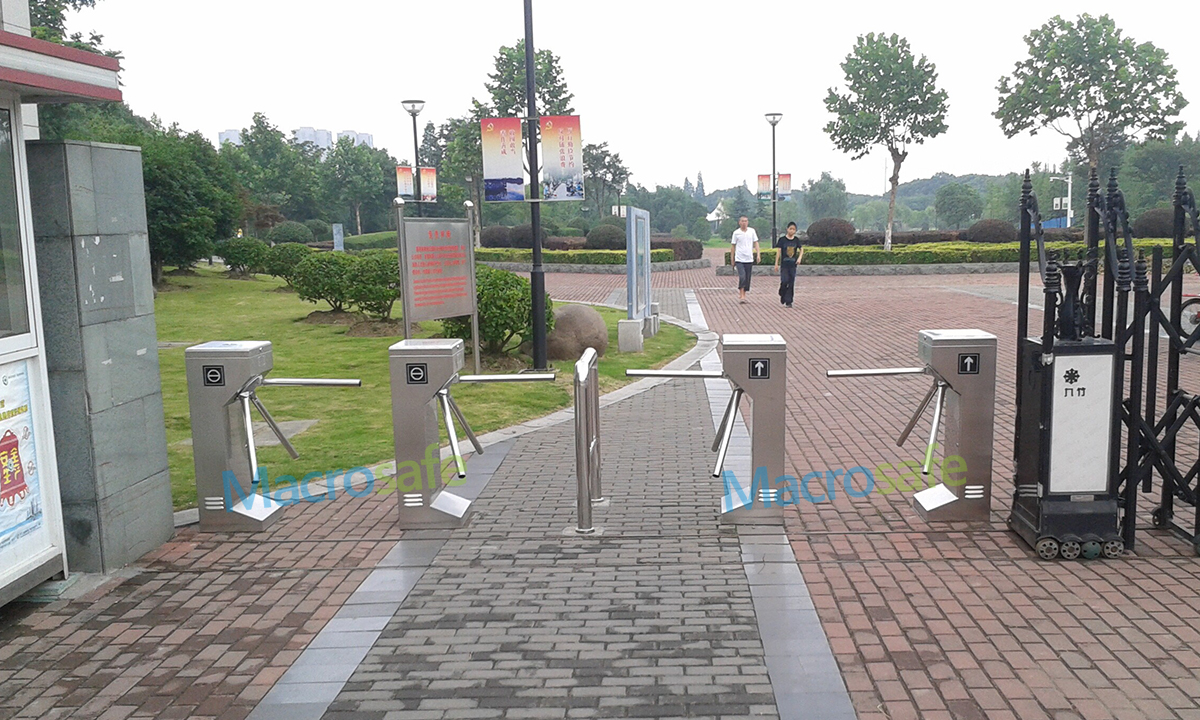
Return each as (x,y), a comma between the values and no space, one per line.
(963,362)
(222,444)
(421,371)
(757,367)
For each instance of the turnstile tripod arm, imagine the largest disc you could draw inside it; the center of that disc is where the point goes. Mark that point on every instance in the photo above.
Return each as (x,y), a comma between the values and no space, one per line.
(459,465)
(701,374)
(514,377)
(912,422)
(245,400)
(874,372)
(311,382)
(933,429)
(730,411)
(262,410)
(462,419)
(727,434)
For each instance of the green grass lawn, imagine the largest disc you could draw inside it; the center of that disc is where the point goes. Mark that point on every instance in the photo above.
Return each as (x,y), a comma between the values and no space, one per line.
(355,424)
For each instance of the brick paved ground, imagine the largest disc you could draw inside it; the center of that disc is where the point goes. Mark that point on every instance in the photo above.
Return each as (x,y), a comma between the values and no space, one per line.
(956,621)
(515,620)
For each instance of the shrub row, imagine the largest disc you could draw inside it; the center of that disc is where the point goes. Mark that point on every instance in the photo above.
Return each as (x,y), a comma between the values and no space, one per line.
(683,249)
(934,253)
(560,257)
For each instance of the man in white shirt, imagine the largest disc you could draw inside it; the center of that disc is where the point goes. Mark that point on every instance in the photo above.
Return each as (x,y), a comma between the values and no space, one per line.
(745,254)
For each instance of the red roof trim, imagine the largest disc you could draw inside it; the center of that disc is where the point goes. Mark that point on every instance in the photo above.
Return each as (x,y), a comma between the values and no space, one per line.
(66,87)
(45,47)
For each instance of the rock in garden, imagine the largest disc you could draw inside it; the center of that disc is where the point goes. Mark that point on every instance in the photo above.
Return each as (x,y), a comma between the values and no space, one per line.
(576,328)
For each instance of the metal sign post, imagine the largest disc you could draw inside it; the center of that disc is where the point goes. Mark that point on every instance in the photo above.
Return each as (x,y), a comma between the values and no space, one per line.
(437,270)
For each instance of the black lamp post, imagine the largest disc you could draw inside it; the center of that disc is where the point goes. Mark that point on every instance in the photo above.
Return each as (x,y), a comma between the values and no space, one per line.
(537,278)
(414,108)
(774,119)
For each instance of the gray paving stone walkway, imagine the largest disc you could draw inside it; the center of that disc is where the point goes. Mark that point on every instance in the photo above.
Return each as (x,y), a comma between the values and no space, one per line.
(515,619)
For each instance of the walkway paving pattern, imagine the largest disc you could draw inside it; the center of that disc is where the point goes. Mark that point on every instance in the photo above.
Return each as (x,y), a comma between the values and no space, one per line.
(335,612)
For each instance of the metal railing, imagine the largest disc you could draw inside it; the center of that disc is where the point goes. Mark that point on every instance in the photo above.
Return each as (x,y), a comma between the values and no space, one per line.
(587,439)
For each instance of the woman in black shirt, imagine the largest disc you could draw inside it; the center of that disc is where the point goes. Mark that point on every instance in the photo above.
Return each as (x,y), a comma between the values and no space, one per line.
(788,253)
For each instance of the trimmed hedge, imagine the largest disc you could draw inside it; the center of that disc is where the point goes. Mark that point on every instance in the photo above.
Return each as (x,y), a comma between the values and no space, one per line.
(990,231)
(243,256)
(908,237)
(567,257)
(496,236)
(1156,223)
(684,249)
(325,276)
(606,237)
(830,231)
(564,243)
(385,240)
(521,236)
(289,231)
(936,253)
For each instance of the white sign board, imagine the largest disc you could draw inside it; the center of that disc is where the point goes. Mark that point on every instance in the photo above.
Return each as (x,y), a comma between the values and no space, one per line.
(339,238)
(437,269)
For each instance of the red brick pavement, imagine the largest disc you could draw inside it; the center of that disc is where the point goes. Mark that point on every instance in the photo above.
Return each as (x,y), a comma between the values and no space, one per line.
(205,628)
(952,621)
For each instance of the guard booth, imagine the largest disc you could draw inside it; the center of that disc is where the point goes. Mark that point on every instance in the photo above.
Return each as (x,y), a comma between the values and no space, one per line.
(962,364)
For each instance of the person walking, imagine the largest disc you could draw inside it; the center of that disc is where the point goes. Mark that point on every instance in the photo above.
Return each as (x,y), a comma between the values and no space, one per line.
(788,254)
(745,254)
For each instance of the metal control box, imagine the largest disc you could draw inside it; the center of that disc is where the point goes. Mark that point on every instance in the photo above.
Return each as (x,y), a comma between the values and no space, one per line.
(757,364)
(222,454)
(965,359)
(421,370)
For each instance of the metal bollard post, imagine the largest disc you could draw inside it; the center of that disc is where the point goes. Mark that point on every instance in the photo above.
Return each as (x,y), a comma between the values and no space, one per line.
(587,440)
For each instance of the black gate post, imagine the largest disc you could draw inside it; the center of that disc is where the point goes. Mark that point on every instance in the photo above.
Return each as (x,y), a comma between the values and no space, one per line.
(1092,236)
(1141,289)
(1022,304)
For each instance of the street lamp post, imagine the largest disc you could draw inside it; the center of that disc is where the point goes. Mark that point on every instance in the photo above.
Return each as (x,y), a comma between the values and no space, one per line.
(1069,180)
(537,278)
(414,108)
(774,119)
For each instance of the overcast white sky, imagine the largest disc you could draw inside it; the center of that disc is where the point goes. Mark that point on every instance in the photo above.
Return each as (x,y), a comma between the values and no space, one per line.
(674,86)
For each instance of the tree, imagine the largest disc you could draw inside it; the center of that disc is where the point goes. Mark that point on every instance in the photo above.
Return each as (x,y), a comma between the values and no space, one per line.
(353,176)
(431,148)
(700,187)
(957,203)
(687,187)
(891,100)
(1149,168)
(506,84)
(276,170)
(604,173)
(1089,83)
(825,197)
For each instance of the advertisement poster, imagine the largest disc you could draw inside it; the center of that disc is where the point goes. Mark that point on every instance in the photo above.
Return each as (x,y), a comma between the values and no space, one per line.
(428,184)
(562,168)
(339,238)
(785,187)
(503,169)
(404,182)
(20,486)
(764,187)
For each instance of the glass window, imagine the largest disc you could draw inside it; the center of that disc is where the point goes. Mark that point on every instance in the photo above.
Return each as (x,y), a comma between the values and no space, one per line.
(14,312)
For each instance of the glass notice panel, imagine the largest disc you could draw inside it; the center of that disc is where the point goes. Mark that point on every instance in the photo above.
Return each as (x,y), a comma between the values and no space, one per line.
(14,312)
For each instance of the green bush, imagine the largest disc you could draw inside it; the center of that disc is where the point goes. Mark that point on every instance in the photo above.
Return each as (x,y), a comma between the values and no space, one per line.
(679,231)
(374,282)
(289,231)
(495,236)
(683,248)
(521,236)
(325,276)
(570,232)
(990,231)
(1156,223)
(385,240)
(606,237)
(281,260)
(701,229)
(320,230)
(580,222)
(617,222)
(572,257)
(243,256)
(505,312)
(829,232)
(934,253)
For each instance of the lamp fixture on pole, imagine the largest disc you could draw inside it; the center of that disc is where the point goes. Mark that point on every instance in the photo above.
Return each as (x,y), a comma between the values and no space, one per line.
(774,119)
(414,108)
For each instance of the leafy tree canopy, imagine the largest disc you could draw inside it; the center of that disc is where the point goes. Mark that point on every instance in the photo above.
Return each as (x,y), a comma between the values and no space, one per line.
(506,83)
(825,197)
(1091,84)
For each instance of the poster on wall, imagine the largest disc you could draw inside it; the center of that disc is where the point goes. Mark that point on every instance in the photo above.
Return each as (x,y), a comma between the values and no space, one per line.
(404,182)
(428,184)
(785,187)
(562,170)
(503,171)
(20,484)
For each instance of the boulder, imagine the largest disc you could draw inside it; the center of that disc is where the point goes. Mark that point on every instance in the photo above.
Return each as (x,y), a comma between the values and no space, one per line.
(576,328)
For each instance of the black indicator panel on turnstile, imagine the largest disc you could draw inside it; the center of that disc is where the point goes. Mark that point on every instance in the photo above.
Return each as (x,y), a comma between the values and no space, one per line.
(968,363)
(418,373)
(760,368)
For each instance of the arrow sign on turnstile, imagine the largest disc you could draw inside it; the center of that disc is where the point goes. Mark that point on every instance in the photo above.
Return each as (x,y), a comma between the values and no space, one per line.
(968,363)
(760,368)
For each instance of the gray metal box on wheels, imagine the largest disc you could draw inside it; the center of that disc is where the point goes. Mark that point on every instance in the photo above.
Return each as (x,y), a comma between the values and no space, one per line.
(1065,451)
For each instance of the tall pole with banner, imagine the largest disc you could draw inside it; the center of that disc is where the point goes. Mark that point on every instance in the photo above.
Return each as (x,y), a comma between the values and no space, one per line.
(414,108)
(537,278)
(774,119)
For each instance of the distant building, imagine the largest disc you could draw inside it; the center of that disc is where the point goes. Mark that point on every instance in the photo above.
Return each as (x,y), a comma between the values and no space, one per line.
(229,136)
(321,138)
(358,138)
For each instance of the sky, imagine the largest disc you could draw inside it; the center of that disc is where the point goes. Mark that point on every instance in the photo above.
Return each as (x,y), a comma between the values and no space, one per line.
(674,86)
